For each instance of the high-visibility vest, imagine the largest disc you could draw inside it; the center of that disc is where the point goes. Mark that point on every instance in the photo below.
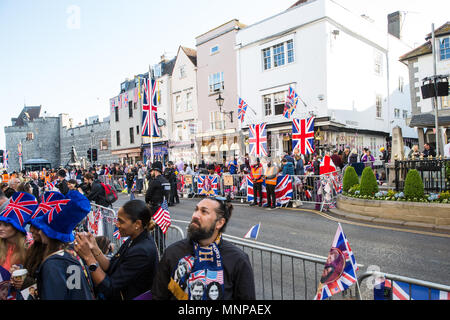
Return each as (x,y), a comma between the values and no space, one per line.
(5,177)
(270,171)
(257,174)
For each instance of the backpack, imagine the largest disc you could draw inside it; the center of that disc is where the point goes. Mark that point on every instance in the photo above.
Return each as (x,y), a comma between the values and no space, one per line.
(110,193)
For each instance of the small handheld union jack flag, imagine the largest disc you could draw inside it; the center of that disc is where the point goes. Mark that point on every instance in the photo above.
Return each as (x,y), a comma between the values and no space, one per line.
(242,109)
(116,233)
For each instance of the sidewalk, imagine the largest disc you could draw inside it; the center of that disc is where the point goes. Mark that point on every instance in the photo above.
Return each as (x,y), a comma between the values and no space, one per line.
(381,221)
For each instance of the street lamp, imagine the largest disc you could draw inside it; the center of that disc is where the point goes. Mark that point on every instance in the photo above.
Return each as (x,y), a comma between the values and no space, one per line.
(219,102)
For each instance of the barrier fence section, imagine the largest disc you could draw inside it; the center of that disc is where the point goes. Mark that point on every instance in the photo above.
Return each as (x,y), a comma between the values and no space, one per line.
(319,190)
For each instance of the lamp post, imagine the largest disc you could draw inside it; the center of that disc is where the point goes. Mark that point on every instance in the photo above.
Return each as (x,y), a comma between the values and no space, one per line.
(219,102)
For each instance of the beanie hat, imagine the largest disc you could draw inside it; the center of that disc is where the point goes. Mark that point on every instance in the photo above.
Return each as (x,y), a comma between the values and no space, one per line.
(19,210)
(59,225)
(50,200)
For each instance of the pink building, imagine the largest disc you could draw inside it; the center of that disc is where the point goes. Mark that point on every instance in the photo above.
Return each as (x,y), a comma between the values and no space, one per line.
(219,136)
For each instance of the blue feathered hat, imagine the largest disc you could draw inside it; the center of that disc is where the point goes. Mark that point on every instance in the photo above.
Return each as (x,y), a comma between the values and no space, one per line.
(59,225)
(19,210)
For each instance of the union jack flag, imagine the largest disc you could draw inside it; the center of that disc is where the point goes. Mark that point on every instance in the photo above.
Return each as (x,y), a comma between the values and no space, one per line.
(22,205)
(303,135)
(258,139)
(291,103)
(197,276)
(5,159)
(208,185)
(162,217)
(283,190)
(149,110)
(50,200)
(51,185)
(348,275)
(242,109)
(116,233)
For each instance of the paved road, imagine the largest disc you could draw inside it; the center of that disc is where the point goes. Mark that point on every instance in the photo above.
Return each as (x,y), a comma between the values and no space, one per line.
(416,254)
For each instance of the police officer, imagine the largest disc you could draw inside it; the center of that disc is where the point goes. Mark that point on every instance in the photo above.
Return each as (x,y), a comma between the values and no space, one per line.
(158,190)
(170,175)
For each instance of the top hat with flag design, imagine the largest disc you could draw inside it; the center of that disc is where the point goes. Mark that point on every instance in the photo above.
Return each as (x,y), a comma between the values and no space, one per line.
(50,200)
(19,210)
(59,225)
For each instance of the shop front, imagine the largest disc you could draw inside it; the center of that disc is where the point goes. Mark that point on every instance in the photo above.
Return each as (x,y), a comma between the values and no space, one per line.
(220,147)
(160,152)
(183,151)
(128,156)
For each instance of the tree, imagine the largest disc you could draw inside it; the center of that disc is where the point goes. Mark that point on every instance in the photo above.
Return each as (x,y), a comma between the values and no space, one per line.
(369,185)
(413,185)
(350,178)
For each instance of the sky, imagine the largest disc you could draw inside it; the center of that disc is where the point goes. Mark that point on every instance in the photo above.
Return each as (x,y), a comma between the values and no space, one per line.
(70,56)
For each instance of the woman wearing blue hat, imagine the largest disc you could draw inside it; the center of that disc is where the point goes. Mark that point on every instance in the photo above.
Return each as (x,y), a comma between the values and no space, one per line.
(13,219)
(62,275)
(131,270)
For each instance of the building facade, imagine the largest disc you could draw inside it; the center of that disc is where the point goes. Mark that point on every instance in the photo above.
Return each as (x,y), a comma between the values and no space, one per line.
(219,136)
(342,67)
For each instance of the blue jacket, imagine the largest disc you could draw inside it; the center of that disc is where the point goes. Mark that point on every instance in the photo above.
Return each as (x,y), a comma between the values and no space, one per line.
(288,168)
(131,269)
(299,168)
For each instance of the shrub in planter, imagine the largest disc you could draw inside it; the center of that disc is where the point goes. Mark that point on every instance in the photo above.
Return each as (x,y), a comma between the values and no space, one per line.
(369,185)
(353,189)
(350,178)
(413,185)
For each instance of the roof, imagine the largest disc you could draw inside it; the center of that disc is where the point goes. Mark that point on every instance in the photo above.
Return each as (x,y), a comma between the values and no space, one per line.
(298,3)
(427,120)
(27,113)
(417,52)
(191,53)
(441,31)
(167,67)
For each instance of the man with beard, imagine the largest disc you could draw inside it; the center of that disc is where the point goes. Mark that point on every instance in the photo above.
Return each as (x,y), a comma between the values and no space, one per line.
(158,190)
(212,259)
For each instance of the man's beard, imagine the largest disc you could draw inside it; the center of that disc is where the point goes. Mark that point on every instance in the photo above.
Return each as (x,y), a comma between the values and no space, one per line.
(196,233)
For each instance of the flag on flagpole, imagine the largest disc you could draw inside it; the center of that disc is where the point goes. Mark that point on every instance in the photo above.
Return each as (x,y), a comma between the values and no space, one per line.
(340,269)
(291,103)
(149,110)
(242,109)
(162,217)
(253,232)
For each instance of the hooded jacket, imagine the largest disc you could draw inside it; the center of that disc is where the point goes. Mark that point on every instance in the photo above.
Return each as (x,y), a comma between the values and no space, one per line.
(288,168)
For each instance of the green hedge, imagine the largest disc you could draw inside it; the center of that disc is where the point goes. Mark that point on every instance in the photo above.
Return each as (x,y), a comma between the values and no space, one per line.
(350,178)
(369,185)
(413,185)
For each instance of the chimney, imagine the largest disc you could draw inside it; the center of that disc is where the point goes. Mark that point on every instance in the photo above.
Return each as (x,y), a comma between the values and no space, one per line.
(394,24)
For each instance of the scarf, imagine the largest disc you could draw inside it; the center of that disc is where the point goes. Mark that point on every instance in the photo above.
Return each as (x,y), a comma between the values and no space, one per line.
(199,277)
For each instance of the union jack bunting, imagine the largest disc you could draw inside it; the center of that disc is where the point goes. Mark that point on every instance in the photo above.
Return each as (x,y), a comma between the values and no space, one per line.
(162,217)
(340,270)
(50,200)
(303,135)
(258,139)
(149,110)
(291,103)
(22,206)
(208,185)
(242,109)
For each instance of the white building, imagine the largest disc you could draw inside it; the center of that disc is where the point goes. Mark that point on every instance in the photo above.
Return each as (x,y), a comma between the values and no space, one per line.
(420,65)
(345,71)
(184,107)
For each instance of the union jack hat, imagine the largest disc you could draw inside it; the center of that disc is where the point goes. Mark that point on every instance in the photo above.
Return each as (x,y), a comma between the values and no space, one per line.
(19,210)
(59,222)
(50,200)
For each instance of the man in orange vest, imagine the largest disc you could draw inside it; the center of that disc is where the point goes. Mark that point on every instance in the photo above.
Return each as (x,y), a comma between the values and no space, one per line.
(270,175)
(5,176)
(257,178)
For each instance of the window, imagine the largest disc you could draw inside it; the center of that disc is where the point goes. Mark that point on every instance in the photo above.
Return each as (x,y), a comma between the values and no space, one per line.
(131,135)
(401,83)
(104,144)
(130,109)
(116,112)
(188,101)
(216,120)
(397,113)
(180,132)
(30,136)
(137,130)
(277,54)
(178,103)
(405,114)
(445,103)
(182,72)
(378,63)
(214,49)
(266,59)
(279,102)
(378,106)
(445,49)
(118,138)
(157,70)
(267,105)
(216,82)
